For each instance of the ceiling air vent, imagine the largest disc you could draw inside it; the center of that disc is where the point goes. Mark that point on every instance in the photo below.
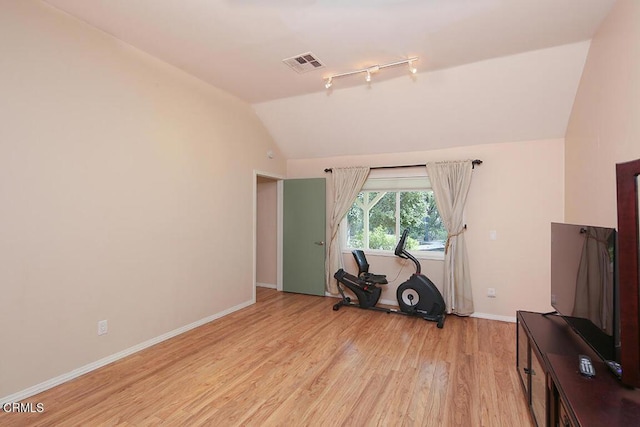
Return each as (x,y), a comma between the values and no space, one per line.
(304,62)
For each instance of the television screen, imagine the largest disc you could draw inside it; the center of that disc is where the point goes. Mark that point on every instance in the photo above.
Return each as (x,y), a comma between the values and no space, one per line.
(583,284)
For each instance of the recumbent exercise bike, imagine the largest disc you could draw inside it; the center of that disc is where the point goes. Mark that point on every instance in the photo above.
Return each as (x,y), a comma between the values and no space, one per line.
(418,296)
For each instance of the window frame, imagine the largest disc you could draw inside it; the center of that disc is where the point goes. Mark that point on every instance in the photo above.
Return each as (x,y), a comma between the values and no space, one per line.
(370,185)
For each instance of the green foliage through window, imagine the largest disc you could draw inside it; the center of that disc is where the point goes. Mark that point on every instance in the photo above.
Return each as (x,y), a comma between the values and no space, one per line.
(377,218)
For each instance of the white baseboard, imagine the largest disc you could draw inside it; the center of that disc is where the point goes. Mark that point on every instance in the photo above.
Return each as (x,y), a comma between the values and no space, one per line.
(266,285)
(494,317)
(353,299)
(389,302)
(38,388)
(478,315)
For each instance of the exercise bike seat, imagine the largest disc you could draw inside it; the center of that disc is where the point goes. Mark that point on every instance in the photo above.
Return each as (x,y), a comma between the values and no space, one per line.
(363,269)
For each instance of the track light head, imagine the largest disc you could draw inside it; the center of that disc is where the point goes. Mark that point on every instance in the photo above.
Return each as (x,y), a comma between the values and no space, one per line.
(329,82)
(412,69)
(368,78)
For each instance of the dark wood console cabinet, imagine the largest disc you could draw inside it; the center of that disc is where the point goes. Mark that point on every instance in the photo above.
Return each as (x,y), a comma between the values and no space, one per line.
(547,363)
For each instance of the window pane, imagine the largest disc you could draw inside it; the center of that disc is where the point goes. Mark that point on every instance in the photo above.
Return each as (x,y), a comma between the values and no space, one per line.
(355,224)
(382,221)
(419,214)
(371,221)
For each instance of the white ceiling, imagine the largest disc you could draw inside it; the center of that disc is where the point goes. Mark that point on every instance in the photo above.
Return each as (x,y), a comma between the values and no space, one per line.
(490,71)
(521,97)
(239,45)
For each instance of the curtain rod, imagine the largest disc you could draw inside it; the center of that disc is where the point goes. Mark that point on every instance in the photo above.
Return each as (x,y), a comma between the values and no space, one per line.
(473,165)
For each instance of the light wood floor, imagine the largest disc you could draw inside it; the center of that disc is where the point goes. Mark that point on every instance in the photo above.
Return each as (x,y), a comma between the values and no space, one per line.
(289,360)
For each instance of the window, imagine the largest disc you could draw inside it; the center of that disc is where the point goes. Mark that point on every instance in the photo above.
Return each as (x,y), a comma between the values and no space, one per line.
(386,207)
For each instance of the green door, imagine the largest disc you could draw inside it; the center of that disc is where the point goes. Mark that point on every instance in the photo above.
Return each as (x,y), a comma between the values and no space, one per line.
(304,230)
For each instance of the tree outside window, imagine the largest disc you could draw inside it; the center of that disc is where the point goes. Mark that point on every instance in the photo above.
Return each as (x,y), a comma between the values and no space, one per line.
(377,218)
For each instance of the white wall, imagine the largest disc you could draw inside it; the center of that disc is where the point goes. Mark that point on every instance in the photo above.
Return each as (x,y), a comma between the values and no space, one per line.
(604,128)
(126,193)
(517,191)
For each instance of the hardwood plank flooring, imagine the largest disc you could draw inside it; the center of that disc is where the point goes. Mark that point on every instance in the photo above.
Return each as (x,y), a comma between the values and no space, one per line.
(289,360)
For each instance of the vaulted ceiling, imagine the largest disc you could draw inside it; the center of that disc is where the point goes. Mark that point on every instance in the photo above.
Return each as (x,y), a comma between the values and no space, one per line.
(239,45)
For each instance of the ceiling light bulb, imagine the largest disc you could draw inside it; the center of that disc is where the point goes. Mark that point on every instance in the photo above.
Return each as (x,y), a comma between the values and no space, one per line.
(368,78)
(328,83)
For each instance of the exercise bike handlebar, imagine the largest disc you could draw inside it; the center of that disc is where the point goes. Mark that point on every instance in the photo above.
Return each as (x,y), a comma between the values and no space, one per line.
(403,253)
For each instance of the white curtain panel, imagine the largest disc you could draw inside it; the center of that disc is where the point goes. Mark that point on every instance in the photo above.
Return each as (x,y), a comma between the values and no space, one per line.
(450,182)
(346,183)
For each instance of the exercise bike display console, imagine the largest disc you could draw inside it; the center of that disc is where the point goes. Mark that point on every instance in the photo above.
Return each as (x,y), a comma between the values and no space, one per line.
(417,296)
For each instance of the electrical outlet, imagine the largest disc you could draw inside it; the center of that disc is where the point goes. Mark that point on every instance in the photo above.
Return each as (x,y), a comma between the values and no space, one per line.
(103,327)
(491,292)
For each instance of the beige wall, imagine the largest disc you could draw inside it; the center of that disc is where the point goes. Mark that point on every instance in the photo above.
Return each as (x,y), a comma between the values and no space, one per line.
(604,128)
(126,189)
(517,192)
(267,232)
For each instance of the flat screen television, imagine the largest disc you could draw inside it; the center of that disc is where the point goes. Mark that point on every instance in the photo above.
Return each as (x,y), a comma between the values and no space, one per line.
(584,284)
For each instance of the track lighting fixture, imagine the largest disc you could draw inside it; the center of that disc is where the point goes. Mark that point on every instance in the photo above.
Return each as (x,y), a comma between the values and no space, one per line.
(371,70)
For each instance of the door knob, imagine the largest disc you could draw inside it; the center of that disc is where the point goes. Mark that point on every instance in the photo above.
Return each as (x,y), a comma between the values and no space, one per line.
(320,243)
